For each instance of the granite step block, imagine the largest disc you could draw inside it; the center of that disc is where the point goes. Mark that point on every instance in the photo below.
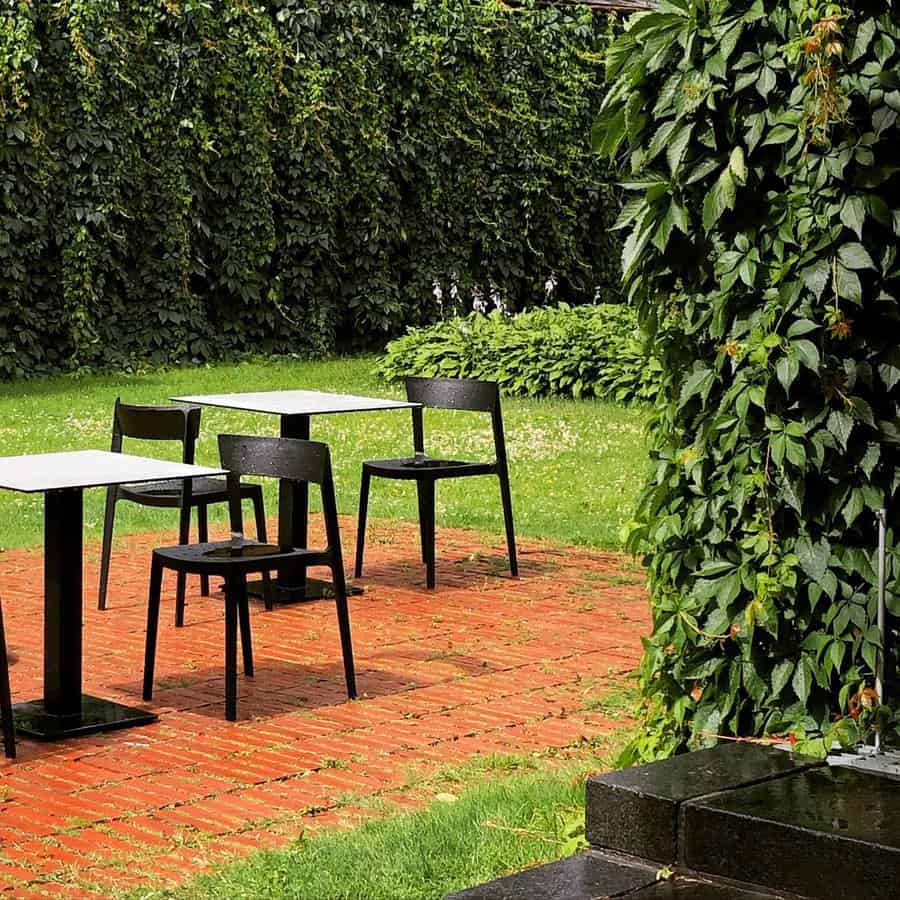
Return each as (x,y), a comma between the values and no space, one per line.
(828,834)
(587,876)
(635,811)
(597,876)
(683,888)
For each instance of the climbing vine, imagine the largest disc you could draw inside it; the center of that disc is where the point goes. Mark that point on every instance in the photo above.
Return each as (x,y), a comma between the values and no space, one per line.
(760,138)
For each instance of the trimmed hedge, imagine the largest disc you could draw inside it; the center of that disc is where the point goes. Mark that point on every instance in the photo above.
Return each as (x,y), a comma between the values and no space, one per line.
(585,351)
(184,180)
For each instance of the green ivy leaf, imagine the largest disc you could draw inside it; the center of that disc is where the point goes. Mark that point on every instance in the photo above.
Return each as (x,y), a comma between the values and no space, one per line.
(813,557)
(853,215)
(802,680)
(855,256)
(720,199)
(808,354)
(781,675)
(817,276)
(841,425)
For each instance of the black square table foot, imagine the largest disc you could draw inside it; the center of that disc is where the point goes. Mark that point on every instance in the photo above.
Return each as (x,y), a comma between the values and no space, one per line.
(33,720)
(315,589)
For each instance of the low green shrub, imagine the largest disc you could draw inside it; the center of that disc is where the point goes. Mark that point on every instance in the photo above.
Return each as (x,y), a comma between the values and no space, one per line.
(584,351)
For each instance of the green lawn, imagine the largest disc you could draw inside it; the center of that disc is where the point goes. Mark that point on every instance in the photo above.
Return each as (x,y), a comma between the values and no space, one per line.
(575,466)
(488,818)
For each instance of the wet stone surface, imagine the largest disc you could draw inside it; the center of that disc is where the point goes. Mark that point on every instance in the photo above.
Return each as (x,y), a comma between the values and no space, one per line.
(690,889)
(588,876)
(827,833)
(635,811)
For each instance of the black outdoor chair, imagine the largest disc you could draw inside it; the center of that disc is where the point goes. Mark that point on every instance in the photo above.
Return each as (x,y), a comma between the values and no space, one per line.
(295,463)
(441,393)
(6,711)
(171,423)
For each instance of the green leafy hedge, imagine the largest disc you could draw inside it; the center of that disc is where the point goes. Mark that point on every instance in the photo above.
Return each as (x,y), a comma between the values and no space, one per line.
(762,254)
(585,351)
(182,179)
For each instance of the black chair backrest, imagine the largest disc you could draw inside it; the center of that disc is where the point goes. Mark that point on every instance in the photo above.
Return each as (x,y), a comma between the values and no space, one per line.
(157,423)
(288,459)
(467,394)
(294,462)
(454,393)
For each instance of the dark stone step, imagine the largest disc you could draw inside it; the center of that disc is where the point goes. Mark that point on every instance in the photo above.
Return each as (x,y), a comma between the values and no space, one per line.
(587,876)
(684,888)
(828,833)
(596,876)
(635,811)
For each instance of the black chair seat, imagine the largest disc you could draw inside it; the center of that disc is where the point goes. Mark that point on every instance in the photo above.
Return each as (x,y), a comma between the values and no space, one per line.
(413,468)
(220,558)
(168,493)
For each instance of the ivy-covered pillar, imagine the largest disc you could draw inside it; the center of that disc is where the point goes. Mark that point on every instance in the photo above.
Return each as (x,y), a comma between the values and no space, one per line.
(759,141)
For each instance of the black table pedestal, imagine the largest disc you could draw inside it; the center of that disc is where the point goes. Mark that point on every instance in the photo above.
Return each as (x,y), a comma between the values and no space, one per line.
(34,720)
(293,531)
(64,711)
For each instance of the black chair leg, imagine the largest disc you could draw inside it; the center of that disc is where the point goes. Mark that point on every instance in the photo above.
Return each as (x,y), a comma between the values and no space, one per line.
(422,492)
(156,573)
(506,497)
(343,614)
(361,523)
(231,628)
(184,537)
(426,512)
(243,607)
(6,712)
(259,513)
(108,523)
(203,538)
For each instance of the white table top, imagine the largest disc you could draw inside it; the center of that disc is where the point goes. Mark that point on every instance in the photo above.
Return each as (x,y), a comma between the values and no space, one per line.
(39,472)
(296,403)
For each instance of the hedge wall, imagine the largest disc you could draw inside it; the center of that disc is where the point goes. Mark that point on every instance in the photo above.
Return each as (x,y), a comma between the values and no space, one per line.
(182,179)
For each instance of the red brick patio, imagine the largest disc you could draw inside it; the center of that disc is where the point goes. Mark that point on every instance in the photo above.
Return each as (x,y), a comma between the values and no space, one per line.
(484,665)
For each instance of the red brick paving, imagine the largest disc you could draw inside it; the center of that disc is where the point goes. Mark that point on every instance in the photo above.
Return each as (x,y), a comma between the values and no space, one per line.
(486,664)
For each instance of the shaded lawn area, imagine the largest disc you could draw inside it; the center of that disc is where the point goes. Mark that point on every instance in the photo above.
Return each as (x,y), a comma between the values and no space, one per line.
(575,466)
(487,818)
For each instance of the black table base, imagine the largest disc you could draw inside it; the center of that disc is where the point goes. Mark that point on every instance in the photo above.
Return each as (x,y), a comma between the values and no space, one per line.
(33,720)
(312,589)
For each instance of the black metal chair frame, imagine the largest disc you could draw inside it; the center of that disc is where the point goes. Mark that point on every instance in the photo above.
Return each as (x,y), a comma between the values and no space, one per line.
(441,393)
(170,423)
(7,722)
(296,463)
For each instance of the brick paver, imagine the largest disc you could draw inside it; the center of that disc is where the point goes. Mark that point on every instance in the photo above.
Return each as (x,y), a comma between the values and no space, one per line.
(486,664)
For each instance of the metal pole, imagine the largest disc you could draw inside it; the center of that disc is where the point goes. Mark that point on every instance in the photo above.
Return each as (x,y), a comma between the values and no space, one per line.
(882,612)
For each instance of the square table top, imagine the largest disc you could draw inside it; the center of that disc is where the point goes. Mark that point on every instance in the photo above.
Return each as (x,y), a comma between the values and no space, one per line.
(39,472)
(297,403)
